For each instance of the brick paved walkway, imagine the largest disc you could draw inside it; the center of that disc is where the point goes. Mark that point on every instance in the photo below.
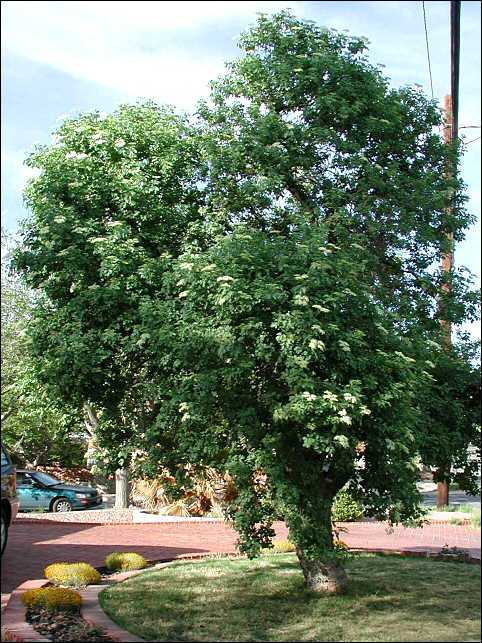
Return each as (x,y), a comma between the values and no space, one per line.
(32,546)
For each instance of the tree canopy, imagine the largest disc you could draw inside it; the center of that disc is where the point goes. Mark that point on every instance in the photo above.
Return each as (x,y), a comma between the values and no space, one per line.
(256,289)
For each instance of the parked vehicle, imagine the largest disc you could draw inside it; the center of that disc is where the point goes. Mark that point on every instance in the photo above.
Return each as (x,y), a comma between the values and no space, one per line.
(40,491)
(10,501)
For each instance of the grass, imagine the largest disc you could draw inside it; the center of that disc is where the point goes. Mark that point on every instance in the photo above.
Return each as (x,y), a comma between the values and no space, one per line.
(389,598)
(463,508)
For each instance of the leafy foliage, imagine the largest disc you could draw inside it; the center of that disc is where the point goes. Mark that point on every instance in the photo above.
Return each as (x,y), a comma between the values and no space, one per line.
(346,508)
(256,293)
(37,427)
(115,196)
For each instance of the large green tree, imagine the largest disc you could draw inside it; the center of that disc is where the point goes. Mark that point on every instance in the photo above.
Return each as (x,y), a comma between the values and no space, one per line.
(115,196)
(304,341)
(259,294)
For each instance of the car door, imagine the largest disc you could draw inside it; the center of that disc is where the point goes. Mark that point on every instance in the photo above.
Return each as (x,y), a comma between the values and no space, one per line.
(30,493)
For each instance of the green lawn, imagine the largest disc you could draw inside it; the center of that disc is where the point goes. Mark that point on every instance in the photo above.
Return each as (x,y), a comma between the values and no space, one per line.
(389,599)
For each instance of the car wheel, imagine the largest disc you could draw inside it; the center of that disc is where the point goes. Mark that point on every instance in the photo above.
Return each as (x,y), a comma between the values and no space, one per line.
(62,504)
(4,536)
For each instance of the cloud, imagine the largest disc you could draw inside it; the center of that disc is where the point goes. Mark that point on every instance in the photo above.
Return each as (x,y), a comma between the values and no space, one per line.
(15,173)
(106,43)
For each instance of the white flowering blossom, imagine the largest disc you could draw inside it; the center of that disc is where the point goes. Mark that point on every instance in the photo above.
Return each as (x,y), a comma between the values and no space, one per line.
(309,396)
(184,406)
(184,293)
(365,411)
(225,278)
(76,155)
(119,142)
(301,300)
(317,344)
(210,266)
(346,419)
(349,397)
(187,265)
(331,397)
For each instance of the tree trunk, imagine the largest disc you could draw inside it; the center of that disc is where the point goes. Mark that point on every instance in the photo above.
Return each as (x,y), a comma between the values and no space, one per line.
(311,529)
(122,488)
(323,577)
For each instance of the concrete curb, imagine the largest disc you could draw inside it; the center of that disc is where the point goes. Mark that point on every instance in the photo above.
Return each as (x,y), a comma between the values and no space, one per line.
(409,553)
(14,625)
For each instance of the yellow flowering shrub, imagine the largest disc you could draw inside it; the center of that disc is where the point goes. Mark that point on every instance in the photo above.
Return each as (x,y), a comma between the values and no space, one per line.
(52,598)
(72,574)
(125,561)
(279,546)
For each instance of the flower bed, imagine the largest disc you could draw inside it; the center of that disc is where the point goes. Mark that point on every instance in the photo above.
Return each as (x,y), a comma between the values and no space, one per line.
(64,625)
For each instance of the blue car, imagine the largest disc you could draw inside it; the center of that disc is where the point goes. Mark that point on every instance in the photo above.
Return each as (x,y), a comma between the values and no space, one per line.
(40,491)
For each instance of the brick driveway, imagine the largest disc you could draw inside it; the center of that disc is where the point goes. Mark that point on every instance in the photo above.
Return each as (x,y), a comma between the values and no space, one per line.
(34,545)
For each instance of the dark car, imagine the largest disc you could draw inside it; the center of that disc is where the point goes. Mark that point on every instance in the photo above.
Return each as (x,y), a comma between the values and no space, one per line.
(40,491)
(10,500)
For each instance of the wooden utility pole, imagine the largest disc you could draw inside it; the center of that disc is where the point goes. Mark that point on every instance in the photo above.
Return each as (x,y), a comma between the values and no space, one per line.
(451,106)
(447,264)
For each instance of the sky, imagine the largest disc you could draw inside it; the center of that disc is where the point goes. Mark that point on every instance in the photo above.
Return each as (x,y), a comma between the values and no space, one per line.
(60,58)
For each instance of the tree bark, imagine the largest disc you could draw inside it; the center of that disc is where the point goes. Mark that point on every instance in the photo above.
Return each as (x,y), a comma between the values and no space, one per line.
(322,577)
(122,488)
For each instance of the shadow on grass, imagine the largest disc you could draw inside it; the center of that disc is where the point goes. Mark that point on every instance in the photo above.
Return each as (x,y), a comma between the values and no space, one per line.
(267,600)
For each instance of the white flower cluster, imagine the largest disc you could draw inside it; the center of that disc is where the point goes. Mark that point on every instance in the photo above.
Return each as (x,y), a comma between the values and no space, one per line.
(301,300)
(97,138)
(78,156)
(311,397)
(349,398)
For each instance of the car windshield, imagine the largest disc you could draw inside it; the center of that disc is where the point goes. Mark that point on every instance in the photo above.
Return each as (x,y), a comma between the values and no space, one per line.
(45,478)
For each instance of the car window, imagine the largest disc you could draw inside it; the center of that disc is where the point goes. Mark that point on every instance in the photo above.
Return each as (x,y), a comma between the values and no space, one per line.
(45,478)
(4,458)
(24,479)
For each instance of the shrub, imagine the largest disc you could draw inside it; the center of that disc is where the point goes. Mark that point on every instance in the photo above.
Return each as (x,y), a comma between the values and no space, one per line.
(346,508)
(125,561)
(72,574)
(149,494)
(52,598)
(279,546)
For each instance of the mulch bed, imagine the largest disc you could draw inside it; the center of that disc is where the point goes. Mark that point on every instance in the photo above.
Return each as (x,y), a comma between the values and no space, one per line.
(96,516)
(61,625)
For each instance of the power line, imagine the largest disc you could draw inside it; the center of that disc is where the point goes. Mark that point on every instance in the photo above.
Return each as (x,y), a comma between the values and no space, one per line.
(473,140)
(428,49)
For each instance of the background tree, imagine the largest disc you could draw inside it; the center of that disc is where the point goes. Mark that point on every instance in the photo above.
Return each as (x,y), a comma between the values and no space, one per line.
(115,196)
(36,428)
